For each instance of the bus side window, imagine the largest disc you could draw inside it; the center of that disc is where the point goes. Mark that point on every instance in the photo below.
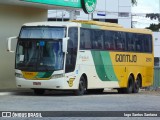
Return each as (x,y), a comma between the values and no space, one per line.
(138,47)
(106,45)
(85,39)
(120,41)
(109,43)
(82,41)
(147,44)
(130,42)
(97,38)
(139,43)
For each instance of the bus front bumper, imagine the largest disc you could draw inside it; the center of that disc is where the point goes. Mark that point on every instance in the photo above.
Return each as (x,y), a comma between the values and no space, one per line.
(57,84)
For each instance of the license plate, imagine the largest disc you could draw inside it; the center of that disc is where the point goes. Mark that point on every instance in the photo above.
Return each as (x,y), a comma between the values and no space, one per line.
(36,83)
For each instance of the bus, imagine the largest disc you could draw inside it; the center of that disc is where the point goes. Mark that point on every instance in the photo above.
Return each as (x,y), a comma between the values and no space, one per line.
(83,56)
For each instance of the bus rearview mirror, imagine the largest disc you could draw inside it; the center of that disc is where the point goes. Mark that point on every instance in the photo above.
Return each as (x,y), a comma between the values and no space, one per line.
(65,44)
(9,49)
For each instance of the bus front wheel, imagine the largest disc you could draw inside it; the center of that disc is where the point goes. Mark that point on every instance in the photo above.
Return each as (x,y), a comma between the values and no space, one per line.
(82,87)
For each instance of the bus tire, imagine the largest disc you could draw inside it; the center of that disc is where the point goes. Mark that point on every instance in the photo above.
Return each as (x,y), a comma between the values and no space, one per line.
(82,87)
(130,85)
(39,91)
(137,85)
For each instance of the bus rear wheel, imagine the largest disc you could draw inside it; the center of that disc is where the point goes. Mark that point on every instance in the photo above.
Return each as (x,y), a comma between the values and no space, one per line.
(82,87)
(137,85)
(130,86)
(39,91)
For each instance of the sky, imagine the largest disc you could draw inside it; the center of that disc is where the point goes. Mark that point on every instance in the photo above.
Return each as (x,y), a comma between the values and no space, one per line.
(145,6)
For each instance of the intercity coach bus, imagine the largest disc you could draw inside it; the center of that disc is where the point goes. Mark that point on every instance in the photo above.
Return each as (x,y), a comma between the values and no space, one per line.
(83,56)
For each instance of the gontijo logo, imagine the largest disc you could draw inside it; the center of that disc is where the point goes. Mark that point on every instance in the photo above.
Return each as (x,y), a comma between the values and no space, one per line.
(125,58)
(89,5)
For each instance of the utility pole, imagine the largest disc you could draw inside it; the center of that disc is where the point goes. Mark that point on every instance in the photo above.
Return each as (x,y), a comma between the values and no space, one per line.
(91,16)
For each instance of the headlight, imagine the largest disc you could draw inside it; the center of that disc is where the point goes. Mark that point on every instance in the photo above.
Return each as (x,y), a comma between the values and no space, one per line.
(57,76)
(18,75)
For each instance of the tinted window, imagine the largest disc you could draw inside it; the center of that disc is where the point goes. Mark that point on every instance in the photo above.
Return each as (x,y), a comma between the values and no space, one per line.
(97,39)
(130,42)
(147,43)
(109,41)
(85,36)
(115,41)
(120,41)
(72,49)
(138,38)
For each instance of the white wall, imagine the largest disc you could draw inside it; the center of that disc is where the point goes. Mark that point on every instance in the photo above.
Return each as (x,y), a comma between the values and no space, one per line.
(125,7)
(11,20)
(156,37)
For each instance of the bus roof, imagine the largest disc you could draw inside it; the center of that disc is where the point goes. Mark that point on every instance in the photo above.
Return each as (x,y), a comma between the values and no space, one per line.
(102,25)
(51,23)
(113,26)
(90,22)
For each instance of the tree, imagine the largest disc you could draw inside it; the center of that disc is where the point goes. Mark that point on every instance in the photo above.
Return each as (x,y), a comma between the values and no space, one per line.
(153,16)
(134,2)
(154,27)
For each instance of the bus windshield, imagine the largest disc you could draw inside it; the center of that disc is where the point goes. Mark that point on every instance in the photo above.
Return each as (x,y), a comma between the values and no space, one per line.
(42,32)
(40,53)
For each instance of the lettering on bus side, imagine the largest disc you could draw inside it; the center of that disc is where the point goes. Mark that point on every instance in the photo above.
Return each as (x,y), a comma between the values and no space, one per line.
(125,58)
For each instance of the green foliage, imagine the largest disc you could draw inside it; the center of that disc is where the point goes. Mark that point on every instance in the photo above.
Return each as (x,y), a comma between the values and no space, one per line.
(154,27)
(134,2)
(154,16)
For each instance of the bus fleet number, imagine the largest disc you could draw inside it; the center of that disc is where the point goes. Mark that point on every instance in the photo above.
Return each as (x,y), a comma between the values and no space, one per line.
(148,59)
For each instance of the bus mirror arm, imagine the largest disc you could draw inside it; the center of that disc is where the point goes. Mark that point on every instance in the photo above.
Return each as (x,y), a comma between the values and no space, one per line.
(9,44)
(65,44)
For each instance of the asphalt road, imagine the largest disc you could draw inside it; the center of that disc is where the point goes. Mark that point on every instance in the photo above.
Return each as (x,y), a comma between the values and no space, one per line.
(57,101)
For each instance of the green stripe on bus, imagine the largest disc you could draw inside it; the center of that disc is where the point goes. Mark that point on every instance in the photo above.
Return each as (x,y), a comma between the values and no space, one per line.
(103,65)
(44,74)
